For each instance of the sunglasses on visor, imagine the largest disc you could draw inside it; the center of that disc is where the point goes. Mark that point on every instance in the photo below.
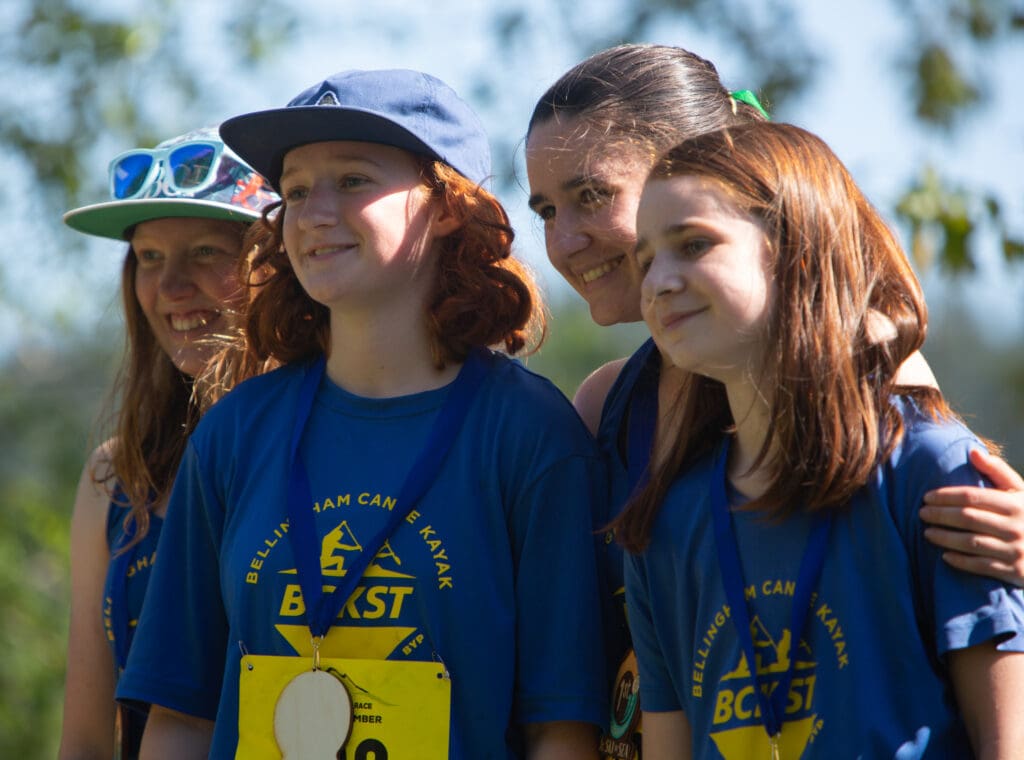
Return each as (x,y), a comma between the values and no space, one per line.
(190,166)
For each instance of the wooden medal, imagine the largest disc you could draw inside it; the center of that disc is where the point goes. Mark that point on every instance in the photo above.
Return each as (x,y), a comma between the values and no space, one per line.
(313,717)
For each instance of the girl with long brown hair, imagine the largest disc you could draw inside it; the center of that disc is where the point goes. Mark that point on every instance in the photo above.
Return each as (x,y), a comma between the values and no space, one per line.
(783,600)
(183,208)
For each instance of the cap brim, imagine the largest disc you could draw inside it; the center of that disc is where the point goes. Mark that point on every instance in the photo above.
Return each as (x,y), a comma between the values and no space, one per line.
(113,218)
(263,138)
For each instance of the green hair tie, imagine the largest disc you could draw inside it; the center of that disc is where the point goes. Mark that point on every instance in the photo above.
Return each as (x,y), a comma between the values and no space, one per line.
(746,96)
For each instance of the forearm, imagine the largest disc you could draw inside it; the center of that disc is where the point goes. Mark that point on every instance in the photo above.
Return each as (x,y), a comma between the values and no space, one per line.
(561,740)
(666,736)
(172,735)
(989,687)
(88,722)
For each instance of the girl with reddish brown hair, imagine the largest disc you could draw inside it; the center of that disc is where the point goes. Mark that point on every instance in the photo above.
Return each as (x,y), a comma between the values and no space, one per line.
(382,547)
(783,599)
(482,295)
(183,208)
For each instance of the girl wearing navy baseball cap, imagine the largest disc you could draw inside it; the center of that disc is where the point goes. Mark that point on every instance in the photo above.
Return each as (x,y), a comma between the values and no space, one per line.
(383,547)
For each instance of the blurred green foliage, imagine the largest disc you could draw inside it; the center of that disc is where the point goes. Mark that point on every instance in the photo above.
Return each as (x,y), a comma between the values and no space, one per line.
(946,78)
(49,403)
(86,75)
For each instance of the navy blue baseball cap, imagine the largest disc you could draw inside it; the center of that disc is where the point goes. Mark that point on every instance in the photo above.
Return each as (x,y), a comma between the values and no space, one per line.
(397,107)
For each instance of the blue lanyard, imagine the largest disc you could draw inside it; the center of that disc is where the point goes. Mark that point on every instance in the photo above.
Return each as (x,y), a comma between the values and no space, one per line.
(643,417)
(322,609)
(772,707)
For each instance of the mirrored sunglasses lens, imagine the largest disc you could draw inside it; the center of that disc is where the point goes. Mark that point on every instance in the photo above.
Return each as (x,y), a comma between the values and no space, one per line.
(130,173)
(191,165)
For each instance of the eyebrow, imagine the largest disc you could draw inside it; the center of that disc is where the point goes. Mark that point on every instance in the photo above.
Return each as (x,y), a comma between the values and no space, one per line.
(676,230)
(581,180)
(672,232)
(343,157)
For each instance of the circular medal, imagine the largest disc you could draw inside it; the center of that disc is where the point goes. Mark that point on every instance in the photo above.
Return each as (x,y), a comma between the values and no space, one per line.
(622,740)
(313,717)
(625,698)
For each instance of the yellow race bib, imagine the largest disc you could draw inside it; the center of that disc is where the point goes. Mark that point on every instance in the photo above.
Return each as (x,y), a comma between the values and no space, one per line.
(399,709)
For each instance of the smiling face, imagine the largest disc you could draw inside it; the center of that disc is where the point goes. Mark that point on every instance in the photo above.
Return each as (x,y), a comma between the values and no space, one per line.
(187,283)
(586,189)
(707,292)
(358,225)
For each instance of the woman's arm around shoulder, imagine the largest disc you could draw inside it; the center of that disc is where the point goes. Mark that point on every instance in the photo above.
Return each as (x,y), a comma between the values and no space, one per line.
(172,735)
(989,686)
(561,740)
(590,396)
(89,708)
(981,529)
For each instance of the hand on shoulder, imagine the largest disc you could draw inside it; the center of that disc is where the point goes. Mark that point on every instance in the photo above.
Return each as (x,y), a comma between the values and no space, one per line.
(982,529)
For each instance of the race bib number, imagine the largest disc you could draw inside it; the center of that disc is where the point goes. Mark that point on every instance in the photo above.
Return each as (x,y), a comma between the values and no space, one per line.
(398,710)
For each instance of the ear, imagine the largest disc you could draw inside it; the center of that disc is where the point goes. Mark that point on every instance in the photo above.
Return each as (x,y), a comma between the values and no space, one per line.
(445,221)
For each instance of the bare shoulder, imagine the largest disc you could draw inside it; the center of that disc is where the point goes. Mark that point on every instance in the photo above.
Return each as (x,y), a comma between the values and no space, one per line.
(100,459)
(93,494)
(590,396)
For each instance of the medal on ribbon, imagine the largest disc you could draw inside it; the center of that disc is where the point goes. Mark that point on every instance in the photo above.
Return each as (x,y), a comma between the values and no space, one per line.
(313,717)
(619,743)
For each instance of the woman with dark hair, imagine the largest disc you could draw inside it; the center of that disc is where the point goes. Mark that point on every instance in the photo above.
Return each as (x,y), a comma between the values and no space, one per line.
(183,207)
(592,139)
(383,545)
(781,591)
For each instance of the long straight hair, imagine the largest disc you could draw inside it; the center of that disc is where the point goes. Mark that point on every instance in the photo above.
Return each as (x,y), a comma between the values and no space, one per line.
(834,262)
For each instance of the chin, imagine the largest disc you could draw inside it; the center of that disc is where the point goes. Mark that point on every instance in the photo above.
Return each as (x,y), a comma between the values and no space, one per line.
(190,367)
(606,315)
(189,361)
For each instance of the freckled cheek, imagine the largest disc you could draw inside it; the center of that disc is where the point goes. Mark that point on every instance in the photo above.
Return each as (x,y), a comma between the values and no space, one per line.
(154,320)
(617,227)
(289,230)
(647,301)
(549,248)
(147,285)
(646,287)
(230,293)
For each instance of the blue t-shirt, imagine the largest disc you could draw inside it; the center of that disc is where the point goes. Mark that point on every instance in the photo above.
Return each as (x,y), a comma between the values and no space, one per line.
(494,572)
(870,676)
(634,394)
(123,592)
(130,574)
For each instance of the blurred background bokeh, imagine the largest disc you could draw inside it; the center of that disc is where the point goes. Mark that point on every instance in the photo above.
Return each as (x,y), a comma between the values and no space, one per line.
(921,99)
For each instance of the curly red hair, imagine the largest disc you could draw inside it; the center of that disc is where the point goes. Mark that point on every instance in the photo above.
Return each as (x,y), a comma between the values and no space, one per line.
(482,295)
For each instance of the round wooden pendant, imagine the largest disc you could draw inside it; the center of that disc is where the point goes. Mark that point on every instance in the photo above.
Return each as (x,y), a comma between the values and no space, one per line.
(313,717)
